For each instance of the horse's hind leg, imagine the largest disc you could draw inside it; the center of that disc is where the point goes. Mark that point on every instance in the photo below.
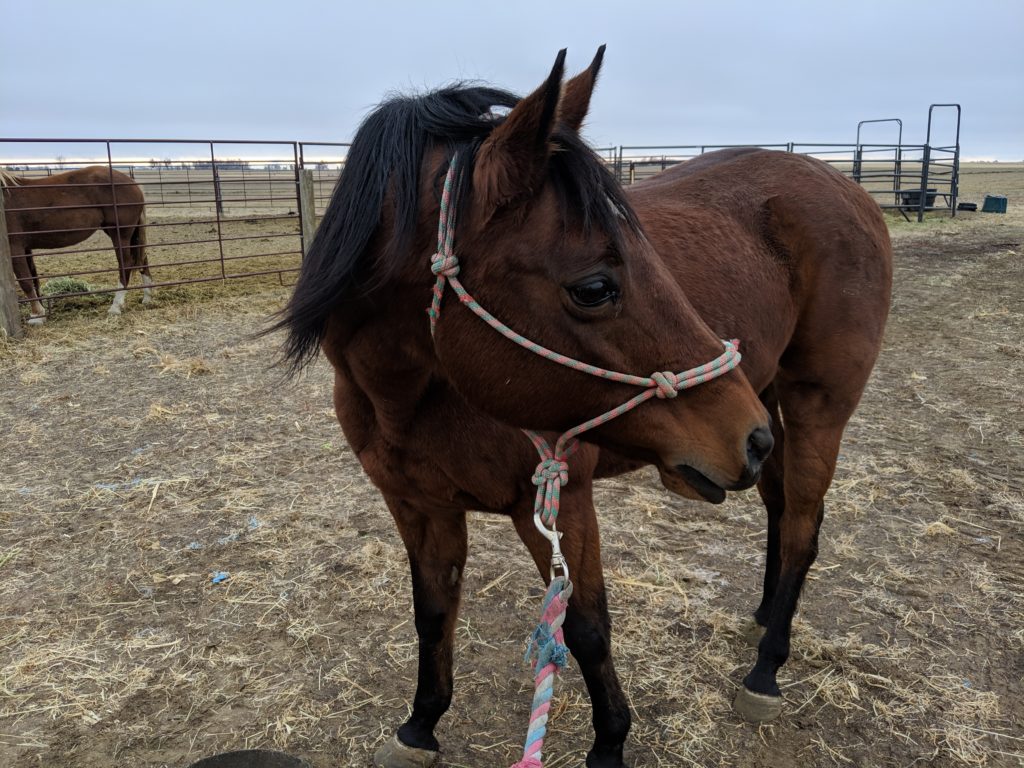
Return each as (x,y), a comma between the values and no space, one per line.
(436,544)
(121,239)
(771,486)
(140,261)
(814,414)
(587,624)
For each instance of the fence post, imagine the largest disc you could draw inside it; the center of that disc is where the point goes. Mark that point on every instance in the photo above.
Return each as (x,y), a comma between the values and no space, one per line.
(925,165)
(10,318)
(307,209)
(216,189)
(897,183)
(220,212)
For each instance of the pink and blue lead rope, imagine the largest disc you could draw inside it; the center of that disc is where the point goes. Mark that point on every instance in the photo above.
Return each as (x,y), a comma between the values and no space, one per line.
(547,647)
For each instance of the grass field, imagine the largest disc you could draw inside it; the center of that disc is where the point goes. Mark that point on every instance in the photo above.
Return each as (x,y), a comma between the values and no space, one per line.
(149,452)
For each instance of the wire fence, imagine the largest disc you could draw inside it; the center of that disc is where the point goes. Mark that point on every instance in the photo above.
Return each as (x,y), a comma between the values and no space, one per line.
(211,213)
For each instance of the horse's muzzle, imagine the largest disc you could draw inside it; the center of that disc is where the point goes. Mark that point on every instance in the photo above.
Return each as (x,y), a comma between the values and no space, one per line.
(759,447)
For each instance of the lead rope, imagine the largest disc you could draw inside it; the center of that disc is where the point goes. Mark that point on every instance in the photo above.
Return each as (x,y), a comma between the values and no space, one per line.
(546,645)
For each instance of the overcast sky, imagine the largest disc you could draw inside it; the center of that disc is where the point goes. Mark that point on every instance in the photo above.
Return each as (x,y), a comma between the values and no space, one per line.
(675,72)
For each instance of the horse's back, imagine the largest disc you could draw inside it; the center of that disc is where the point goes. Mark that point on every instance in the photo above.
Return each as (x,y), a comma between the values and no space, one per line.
(93,184)
(777,246)
(739,181)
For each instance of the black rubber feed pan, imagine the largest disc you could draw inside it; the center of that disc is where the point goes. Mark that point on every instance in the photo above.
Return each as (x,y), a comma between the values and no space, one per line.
(251,758)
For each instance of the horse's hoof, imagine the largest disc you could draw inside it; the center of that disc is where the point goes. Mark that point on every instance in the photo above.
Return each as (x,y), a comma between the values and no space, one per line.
(751,632)
(114,311)
(37,320)
(756,707)
(394,754)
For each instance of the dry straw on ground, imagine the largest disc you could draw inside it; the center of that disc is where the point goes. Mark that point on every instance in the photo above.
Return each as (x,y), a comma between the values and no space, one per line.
(148,454)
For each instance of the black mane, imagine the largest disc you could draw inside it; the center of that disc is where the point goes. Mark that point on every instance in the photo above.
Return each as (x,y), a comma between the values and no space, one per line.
(387,155)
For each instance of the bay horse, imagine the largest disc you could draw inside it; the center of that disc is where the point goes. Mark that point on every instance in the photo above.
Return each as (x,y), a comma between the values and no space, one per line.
(777,249)
(66,208)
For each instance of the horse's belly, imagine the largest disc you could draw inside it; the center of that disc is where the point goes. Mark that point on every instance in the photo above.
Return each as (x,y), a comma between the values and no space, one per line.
(51,230)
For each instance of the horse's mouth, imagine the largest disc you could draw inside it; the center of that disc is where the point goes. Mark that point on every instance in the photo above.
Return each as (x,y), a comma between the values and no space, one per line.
(691,483)
(701,483)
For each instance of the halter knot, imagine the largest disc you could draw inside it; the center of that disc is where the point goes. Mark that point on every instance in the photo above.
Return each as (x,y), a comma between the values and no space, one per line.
(667,384)
(551,469)
(444,265)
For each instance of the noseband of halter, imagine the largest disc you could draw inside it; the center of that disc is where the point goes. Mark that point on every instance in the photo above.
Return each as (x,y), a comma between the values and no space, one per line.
(546,647)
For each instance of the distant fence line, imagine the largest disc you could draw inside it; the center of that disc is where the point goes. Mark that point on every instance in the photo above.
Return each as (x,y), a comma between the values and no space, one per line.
(244,208)
(901,176)
(210,216)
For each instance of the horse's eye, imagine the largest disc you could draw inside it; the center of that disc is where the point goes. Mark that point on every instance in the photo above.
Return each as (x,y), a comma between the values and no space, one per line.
(594,291)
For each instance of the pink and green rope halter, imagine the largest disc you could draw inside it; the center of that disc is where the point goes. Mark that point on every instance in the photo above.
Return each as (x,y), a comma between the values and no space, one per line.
(546,645)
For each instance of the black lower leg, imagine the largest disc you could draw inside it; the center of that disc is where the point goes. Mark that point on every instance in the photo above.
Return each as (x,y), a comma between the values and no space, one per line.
(588,635)
(772,564)
(436,544)
(435,618)
(771,486)
(773,650)
(431,701)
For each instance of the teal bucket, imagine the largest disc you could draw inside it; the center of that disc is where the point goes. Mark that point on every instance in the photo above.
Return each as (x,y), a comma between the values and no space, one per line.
(994,204)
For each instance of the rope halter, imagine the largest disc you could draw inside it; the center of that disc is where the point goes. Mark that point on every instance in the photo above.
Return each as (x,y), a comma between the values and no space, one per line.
(553,470)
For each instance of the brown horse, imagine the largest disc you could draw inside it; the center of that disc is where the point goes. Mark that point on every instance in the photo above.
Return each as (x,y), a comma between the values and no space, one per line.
(65,209)
(776,249)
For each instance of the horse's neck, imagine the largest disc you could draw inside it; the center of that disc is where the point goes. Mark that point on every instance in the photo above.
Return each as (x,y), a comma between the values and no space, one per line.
(387,355)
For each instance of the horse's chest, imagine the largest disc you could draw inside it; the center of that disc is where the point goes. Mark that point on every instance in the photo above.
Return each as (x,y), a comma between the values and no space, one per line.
(434,450)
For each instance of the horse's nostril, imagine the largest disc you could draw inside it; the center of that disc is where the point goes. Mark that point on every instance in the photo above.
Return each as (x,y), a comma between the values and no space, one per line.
(759,445)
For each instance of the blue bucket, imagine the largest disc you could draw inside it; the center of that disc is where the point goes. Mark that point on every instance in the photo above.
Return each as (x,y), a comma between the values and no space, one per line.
(994,204)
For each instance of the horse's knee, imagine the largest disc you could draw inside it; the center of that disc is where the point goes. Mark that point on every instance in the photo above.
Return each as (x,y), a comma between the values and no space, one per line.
(429,626)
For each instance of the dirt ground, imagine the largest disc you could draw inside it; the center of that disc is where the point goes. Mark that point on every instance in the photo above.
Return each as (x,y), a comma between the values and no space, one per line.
(145,455)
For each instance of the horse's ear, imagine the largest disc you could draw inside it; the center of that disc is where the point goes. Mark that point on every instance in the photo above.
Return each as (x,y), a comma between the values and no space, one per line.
(575,103)
(512,161)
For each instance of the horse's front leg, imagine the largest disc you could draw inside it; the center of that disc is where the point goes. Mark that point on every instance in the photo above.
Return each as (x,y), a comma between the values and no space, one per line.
(25,270)
(435,541)
(587,624)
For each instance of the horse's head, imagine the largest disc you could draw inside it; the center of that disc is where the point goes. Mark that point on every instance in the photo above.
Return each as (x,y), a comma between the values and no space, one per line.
(549,244)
